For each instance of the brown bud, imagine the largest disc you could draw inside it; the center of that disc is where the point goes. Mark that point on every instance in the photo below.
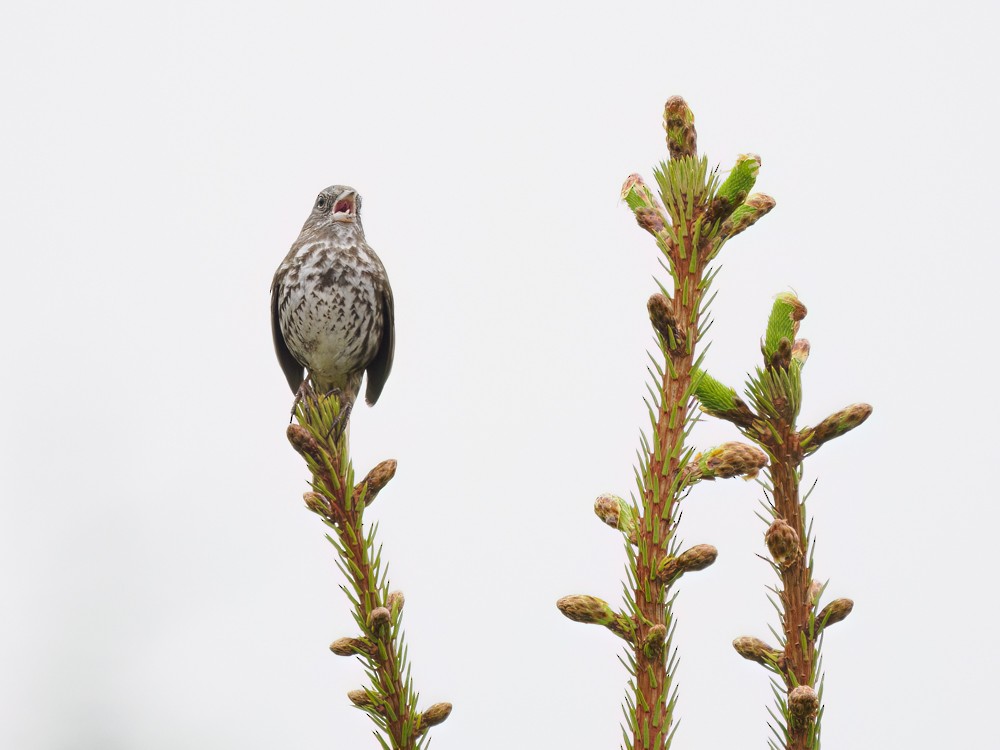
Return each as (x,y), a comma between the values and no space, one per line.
(840,423)
(350,646)
(800,351)
(696,558)
(366,700)
(649,219)
(661,315)
(433,716)
(394,602)
(608,509)
(616,513)
(316,503)
(585,608)
(594,611)
(304,443)
(376,479)
(815,592)
(834,612)
(379,617)
(652,644)
(678,121)
(803,703)
(783,543)
(756,650)
(725,461)
(782,356)
(760,202)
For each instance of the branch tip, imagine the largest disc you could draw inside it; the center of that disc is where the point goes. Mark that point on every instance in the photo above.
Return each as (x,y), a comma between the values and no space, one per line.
(351,646)
(834,612)
(317,503)
(678,121)
(374,481)
(754,649)
(690,560)
(733,459)
(617,514)
(433,716)
(366,701)
(593,611)
(837,424)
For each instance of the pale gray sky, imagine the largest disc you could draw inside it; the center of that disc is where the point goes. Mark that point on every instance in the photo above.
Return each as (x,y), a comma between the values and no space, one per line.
(162,585)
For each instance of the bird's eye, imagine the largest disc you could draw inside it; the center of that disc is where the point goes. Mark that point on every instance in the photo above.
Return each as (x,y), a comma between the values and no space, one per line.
(321,203)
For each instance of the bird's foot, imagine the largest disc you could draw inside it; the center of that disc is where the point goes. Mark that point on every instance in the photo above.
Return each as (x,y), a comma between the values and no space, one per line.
(346,406)
(302,395)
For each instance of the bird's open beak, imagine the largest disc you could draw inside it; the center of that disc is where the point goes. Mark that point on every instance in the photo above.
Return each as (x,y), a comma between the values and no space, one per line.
(345,209)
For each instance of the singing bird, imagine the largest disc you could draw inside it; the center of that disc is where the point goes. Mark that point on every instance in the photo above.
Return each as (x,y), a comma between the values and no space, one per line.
(331,304)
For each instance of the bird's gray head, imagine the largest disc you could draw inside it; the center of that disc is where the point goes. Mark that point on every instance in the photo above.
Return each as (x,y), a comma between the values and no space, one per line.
(337,204)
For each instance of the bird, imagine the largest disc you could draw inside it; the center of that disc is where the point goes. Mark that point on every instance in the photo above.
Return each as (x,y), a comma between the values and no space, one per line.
(332,311)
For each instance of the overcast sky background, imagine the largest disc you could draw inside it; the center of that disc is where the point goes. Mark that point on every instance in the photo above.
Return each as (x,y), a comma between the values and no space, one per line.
(163,586)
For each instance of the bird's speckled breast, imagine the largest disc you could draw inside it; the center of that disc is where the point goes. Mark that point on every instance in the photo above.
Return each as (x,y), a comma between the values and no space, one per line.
(328,311)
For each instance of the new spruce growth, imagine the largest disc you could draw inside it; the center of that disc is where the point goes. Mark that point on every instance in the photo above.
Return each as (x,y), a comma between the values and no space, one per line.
(691,217)
(774,393)
(389,699)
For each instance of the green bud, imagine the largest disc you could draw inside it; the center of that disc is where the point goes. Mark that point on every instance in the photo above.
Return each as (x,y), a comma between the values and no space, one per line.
(744,217)
(715,397)
(740,181)
(678,121)
(783,324)
(721,401)
(637,194)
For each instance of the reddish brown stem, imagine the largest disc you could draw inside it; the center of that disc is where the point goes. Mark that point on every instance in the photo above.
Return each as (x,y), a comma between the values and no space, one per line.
(652,711)
(384,660)
(796,578)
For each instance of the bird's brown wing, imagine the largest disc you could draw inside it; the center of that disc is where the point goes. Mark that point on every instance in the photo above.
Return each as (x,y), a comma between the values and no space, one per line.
(294,372)
(378,369)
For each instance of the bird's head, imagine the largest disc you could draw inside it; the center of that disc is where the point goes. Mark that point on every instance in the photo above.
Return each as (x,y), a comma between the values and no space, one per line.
(337,204)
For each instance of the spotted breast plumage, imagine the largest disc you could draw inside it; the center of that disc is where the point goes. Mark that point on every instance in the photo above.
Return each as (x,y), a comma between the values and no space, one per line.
(331,304)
